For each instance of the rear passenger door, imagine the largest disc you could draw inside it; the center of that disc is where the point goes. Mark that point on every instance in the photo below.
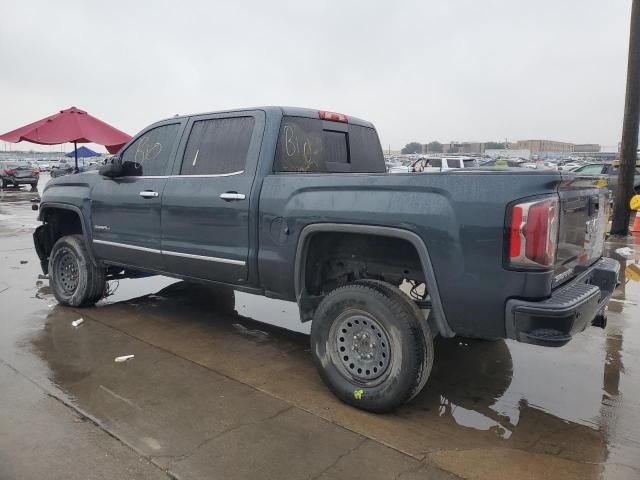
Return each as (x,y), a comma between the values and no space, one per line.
(205,209)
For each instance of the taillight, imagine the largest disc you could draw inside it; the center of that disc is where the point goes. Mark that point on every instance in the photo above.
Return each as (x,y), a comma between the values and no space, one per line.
(10,172)
(533,234)
(333,117)
(35,171)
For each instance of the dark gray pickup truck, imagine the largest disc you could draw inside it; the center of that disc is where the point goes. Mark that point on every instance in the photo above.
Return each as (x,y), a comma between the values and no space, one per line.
(295,204)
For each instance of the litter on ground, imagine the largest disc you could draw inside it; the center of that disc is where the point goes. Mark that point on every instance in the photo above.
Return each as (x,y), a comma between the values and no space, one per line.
(124,358)
(78,322)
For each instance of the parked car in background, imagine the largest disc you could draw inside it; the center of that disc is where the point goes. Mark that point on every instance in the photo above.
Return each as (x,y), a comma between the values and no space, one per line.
(44,165)
(16,174)
(67,168)
(611,171)
(435,164)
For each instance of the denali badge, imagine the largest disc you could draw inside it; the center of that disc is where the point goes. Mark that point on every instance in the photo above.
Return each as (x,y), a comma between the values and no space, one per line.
(102,228)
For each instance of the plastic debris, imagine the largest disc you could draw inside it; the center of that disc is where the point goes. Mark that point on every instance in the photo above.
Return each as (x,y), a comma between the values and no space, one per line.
(624,251)
(22,262)
(78,322)
(123,358)
(43,277)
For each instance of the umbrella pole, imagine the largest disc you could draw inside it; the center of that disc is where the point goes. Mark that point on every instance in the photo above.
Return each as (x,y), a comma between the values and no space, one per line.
(75,151)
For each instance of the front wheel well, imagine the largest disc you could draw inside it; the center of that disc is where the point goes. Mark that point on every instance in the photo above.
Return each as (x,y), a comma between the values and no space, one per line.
(334,259)
(57,223)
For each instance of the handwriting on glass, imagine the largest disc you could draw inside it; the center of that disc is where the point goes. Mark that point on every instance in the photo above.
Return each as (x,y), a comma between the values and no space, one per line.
(292,149)
(146,151)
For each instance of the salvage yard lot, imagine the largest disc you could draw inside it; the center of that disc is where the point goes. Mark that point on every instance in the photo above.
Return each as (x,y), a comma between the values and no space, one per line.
(213,395)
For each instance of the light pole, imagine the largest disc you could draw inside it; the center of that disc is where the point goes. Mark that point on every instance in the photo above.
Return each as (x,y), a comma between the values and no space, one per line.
(631,123)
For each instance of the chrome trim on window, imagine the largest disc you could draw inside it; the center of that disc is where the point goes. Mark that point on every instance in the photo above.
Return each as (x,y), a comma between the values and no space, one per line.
(239,172)
(175,254)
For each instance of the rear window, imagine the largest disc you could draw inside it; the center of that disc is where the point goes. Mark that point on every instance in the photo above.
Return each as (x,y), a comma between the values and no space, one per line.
(314,145)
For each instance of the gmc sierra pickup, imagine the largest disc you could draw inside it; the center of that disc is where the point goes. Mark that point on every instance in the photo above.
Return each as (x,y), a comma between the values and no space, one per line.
(295,204)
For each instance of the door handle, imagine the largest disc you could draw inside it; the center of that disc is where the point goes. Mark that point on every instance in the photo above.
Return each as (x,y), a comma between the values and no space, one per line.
(149,194)
(232,196)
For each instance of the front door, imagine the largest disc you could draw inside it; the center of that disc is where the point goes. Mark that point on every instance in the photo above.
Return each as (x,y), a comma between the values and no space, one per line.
(205,208)
(126,210)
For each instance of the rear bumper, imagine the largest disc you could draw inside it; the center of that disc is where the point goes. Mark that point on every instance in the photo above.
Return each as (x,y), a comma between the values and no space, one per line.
(23,180)
(570,309)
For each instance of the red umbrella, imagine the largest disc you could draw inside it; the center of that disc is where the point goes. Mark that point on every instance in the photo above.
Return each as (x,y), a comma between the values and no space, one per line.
(70,125)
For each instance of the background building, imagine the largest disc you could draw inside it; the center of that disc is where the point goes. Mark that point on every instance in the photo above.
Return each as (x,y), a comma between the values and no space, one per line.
(586,147)
(543,146)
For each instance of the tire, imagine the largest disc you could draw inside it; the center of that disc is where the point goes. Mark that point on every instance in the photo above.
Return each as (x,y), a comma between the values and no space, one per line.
(369,347)
(413,309)
(75,281)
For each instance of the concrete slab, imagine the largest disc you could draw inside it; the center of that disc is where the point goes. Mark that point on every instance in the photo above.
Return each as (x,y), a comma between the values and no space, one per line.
(292,445)
(42,438)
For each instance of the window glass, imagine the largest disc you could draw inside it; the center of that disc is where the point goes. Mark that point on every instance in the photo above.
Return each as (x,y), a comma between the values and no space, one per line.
(149,154)
(436,162)
(453,163)
(470,162)
(311,145)
(590,169)
(616,167)
(217,146)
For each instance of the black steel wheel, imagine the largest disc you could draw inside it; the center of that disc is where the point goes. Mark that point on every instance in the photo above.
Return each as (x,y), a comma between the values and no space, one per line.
(369,347)
(75,280)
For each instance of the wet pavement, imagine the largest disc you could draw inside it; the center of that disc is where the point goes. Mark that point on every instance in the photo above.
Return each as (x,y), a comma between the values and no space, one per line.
(215,394)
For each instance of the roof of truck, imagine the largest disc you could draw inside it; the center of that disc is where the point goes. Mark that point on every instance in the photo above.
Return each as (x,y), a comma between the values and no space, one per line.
(289,111)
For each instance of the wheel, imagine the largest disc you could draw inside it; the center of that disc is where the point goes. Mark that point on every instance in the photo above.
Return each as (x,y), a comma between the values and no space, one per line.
(369,346)
(413,309)
(75,280)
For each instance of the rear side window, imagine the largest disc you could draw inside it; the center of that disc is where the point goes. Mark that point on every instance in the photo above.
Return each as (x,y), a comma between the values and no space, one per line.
(453,163)
(217,146)
(313,145)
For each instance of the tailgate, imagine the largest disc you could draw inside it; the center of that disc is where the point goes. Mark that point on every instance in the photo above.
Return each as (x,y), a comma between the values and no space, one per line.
(584,213)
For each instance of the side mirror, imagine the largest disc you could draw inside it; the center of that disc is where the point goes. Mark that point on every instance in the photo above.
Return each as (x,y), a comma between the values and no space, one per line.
(112,167)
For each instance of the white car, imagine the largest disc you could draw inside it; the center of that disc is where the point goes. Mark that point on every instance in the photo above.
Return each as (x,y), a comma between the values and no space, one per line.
(442,164)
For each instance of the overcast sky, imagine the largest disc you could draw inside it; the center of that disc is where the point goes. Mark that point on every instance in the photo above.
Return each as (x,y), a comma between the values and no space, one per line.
(420,70)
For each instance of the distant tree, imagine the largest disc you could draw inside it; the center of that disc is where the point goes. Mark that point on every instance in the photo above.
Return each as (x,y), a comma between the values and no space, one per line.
(434,147)
(412,147)
(494,146)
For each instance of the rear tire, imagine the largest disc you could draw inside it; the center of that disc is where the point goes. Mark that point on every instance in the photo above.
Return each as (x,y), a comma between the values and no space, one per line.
(74,279)
(369,346)
(412,309)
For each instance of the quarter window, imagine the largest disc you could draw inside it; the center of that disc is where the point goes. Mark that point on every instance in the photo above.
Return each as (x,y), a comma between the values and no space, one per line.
(149,154)
(217,146)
